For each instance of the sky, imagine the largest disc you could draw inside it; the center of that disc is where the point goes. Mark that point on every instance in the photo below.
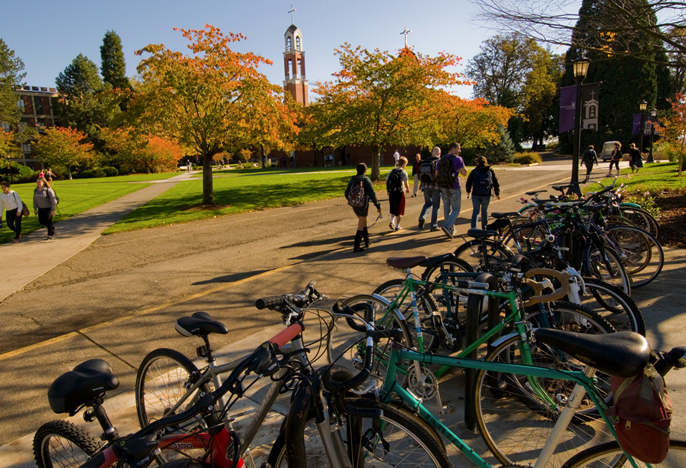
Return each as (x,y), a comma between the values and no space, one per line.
(48,35)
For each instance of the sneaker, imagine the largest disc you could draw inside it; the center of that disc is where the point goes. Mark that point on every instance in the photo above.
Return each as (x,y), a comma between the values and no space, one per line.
(15,240)
(447,232)
(398,228)
(391,227)
(434,228)
(421,224)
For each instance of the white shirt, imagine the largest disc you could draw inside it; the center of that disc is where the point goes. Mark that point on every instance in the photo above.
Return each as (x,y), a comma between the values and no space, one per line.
(9,202)
(396,156)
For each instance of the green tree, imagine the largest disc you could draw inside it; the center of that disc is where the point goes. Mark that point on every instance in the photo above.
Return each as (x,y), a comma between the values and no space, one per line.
(504,149)
(10,79)
(113,66)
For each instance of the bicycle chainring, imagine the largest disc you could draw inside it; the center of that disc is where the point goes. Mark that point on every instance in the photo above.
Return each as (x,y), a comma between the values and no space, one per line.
(423,386)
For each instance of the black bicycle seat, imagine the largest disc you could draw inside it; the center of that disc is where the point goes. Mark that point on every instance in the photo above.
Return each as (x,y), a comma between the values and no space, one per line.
(200,324)
(534,192)
(431,261)
(481,234)
(88,381)
(622,354)
(562,188)
(403,263)
(509,214)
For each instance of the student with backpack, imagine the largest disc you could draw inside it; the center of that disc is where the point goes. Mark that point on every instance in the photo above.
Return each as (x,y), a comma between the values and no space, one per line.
(358,193)
(396,186)
(450,167)
(428,170)
(589,158)
(480,183)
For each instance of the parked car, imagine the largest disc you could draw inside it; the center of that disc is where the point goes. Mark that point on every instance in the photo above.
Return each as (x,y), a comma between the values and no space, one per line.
(606,153)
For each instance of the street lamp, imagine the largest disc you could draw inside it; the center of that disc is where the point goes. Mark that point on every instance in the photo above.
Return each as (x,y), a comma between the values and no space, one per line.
(580,67)
(653,114)
(643,105)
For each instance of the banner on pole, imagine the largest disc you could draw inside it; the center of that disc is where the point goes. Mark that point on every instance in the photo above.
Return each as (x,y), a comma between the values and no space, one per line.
(636,126)
(567,108)
(590,93)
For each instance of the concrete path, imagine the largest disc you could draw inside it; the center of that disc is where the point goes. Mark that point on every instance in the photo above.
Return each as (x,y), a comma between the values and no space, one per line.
(34,256)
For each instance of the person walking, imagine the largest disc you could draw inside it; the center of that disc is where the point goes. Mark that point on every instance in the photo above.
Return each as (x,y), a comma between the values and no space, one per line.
(44,204)
(480,183)
(432,192)
(359,193)
(415,174)
(450,168)
(396,186)
(396,157)
(589,158)
(635,161)
(615,158)
(12,205)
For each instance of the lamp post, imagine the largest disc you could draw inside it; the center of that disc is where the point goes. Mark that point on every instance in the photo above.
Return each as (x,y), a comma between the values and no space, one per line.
(653,114)
(643,105)
(580,66)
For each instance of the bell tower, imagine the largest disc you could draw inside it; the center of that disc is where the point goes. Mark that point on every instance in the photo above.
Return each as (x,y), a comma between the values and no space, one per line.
(294,66)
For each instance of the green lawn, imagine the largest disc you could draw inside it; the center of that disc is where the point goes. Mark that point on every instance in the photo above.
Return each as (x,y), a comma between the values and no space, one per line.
(651,178)
(76,196)
(125,178)
(239,191)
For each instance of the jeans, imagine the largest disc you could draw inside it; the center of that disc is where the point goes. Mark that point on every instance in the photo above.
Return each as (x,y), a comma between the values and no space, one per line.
(415,187)
(452,199)
(432,198)
(480,203)
(45,218)
(14,222)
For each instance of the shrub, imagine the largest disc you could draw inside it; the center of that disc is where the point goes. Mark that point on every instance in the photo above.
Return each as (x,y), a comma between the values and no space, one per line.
(19,173)
(527,158)
(552,146)
(646,201)
(110,171)
(92,173)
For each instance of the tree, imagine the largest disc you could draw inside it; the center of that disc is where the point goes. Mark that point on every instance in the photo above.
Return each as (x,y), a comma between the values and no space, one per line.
(675,129)
(378,99)
(10,79)
(113,66)
(622,20)
(8,146)
(131,150)
(504,148)
(212,100)
(63,146)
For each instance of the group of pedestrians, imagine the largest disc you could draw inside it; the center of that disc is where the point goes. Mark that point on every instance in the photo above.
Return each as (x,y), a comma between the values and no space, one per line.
(44,205)
(439,179)
(590,158)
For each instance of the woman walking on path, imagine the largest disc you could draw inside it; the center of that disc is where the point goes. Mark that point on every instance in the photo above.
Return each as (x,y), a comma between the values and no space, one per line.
(396,186)
(415,174)
(589,158)
(616,157)
(480,183)
(359,192)
(636,162)
(44,204)
(12,204)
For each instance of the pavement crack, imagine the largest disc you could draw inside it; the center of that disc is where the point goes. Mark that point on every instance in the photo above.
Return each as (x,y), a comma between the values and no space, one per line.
(30,318)
(107,351)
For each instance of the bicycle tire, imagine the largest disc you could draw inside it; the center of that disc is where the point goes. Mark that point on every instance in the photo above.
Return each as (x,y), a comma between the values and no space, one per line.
(643,254)
(612,272)
(515,424)
(641,219)
(610,454)
(471,252)
(61,444)
(613,305)
(161,382)
(424,449)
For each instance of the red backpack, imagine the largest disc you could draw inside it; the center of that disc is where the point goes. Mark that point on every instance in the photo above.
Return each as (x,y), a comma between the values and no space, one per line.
(642,414)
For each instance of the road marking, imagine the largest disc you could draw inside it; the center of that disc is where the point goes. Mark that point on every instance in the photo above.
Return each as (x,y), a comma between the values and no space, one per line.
(86,330)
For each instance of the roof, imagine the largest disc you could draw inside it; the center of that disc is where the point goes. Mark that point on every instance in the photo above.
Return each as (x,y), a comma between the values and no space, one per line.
(292,28)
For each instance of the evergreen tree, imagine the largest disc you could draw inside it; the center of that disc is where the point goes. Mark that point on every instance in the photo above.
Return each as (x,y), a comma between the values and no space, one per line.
(113,66)
(10,79)
(504,150)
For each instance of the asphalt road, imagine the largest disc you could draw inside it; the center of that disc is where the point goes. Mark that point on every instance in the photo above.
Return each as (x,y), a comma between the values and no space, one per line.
(118,299)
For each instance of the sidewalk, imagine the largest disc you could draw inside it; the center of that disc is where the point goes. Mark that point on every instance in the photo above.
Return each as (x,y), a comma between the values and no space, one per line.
(34,256)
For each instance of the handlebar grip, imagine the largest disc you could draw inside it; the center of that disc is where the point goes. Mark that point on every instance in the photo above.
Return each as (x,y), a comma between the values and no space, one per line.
(269,302)
(287,334)
(562,276)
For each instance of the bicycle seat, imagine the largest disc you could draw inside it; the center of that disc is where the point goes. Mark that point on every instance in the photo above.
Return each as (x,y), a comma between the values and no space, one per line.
(562,188)
(509,214)
(534,192)
(622,354)
(403,263)
(431,261)
(481,234)
(88,381)
(200,324)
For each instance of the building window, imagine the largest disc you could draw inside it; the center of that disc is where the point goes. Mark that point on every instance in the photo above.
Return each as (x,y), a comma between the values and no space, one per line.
(288,43)
(26,147)
(38,105)
(21,105)
(297,43)
(288,70)
(5,126)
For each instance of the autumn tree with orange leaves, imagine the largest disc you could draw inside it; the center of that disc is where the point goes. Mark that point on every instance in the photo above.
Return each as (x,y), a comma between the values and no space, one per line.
(139,152)
(212,100)
(63,146)
(379,99)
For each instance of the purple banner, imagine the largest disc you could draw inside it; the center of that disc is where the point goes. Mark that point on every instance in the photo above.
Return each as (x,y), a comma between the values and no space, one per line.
(636,126)
(567,108)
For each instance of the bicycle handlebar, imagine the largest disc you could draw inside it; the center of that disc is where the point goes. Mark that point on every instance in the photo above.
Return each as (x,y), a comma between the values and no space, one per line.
(287,334)
(306,297)
(562,276)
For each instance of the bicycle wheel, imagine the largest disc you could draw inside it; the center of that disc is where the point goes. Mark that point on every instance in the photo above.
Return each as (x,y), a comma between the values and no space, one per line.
(515,423)
(472,253)
(613,305)
(61,444)
(641,219)
(641,252)
(161,382)
(604,264)
(610,455)
(409,443)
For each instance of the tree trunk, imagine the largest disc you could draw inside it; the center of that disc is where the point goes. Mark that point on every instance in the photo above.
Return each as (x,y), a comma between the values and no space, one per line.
(376,163)
(207,189)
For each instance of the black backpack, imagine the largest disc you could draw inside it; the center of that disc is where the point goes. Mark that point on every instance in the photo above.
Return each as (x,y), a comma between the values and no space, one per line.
(446,175)
(428,170)
(483,182)
(394,183)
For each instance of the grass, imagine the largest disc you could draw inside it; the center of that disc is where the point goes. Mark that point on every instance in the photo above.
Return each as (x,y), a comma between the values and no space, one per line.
(125,178)
(75,197)
(653,178)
